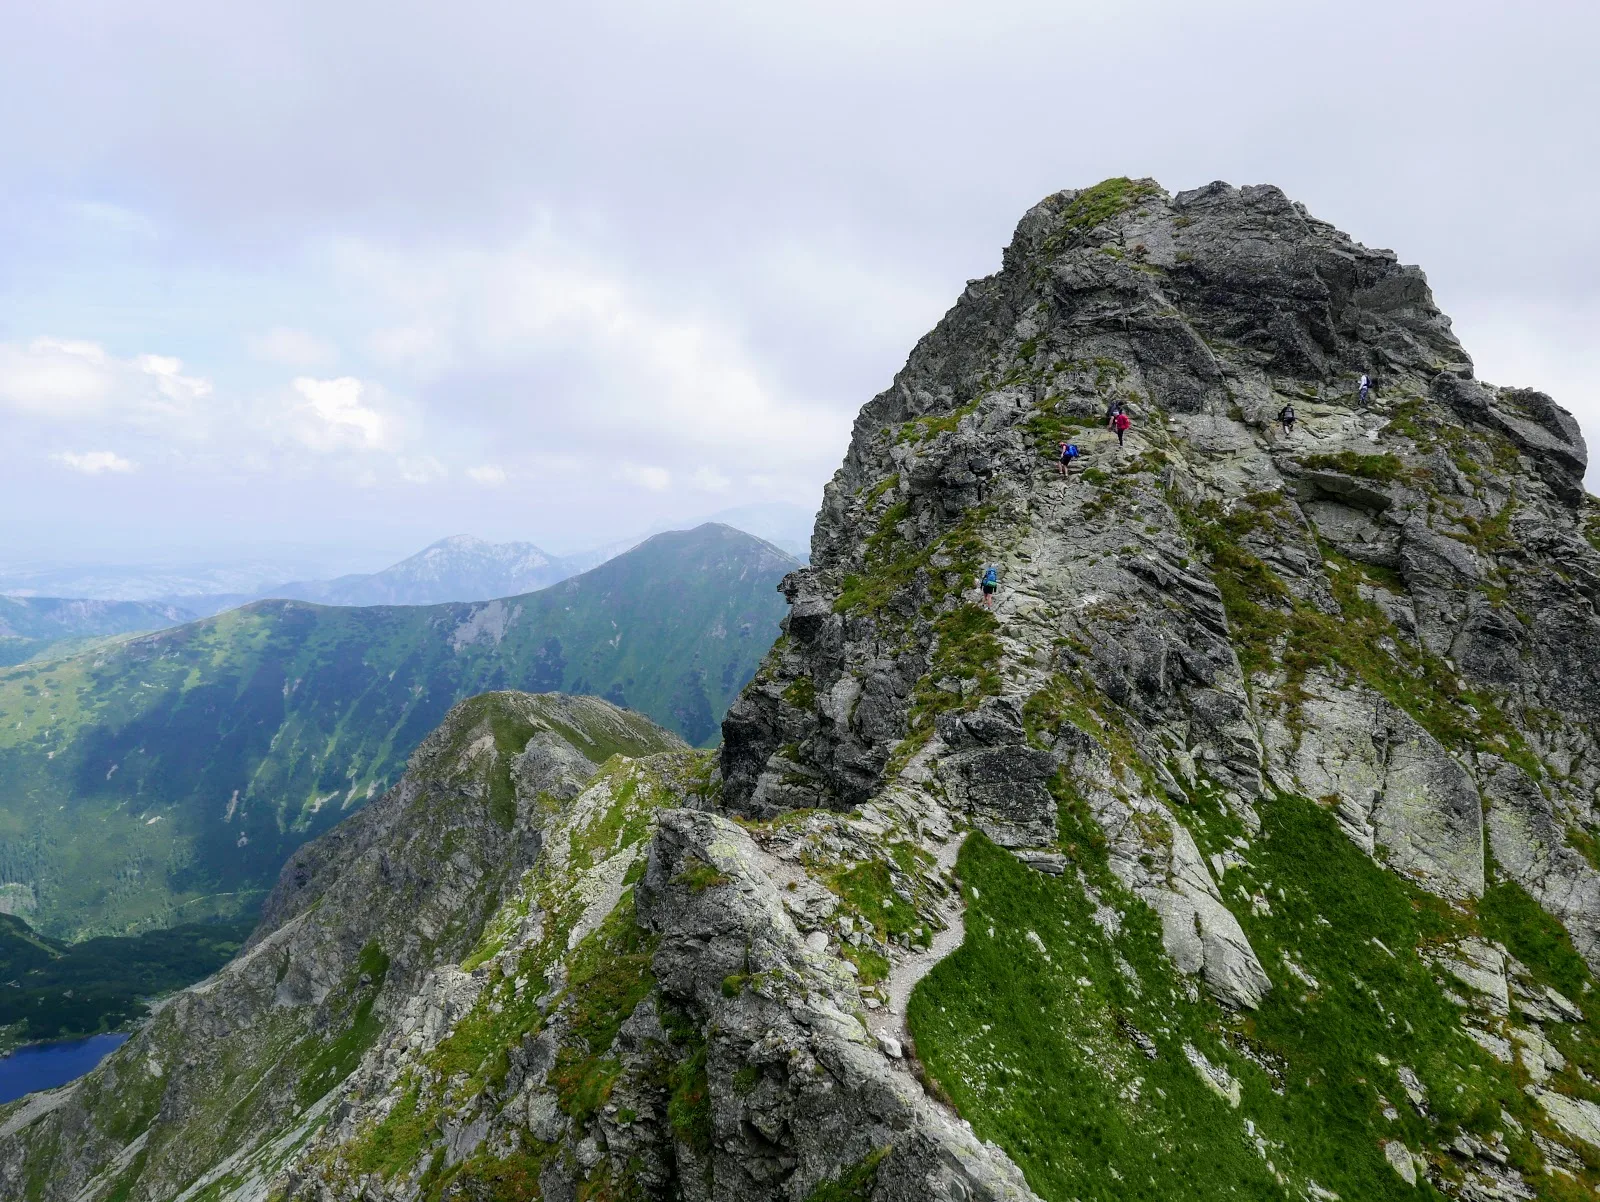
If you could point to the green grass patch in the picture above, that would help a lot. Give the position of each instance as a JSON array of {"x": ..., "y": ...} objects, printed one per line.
[
  {"x": 964, "y": 669},
  {"x": 922, "y": 429},
  {"x": 1508, "y": 915},
  {"x": 1040, "y": 1025},
  {"x": 1272, "y": 628},
  {"x": 1068, "y": 700},
  {"x": 802, "y": 694},
  {"x": 1093, "y": 207},
  {"x": 475, "y": 1054},
  {"x": 513, "y": 1178},
  {"x": 855, "y": 1183},
  {"x": 891, "y": 565},
  {"x": 869, "y": 891},
  {"x": 1036, "y": 1052},
  {"x": 700, "y": 876},
  {"x": 689, "y": 1104},
  {"x": 338, "y": 1057},
  {"x": 511, "y": 734},
  {"x": 607, "y": 977},
  {"x": 396, "y": 1143},
  {"x": 871, "y": 967},
  {"x": 882, "y": 486},
  {"x": 1385, "y": 468}
]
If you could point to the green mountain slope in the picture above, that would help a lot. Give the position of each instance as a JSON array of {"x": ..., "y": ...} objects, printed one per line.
[
  {"x": 31, "y": 627},
  {"x": 166, "y": 779}
]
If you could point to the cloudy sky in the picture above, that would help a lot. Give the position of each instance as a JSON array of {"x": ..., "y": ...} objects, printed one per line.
[{"x": 336, "y": 278}]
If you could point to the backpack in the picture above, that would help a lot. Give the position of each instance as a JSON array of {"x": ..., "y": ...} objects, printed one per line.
[
  {"x": 991, "y": 576},
  {"x": 1121, "y": 421},
  {"x": 1072, "y": 450},
  {"x": 1287, "y": 414}
]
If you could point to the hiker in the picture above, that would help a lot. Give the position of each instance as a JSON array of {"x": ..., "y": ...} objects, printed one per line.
[
  {"x": 991, "y": 583},
  {"x": 1364, "y": 387},
  {"x": 1112, "y": 410},
  {"x": 1287, "y": 417},
  {"x": 1120, "y": 424},
  {"x": 1069, "y": 456}
]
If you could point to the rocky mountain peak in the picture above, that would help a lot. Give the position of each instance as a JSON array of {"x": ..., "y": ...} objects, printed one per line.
[{"x": 1204, "y": 314}]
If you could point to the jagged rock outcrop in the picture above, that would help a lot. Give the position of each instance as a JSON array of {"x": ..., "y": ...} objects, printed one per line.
[
  {"x": 1244, "y": 849},
  {"x": 1182, "y": 581},
  {"x": 358, "y": 921}
]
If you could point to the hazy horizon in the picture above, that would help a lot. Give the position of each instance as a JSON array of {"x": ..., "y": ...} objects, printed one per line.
[{"x": 786, "y": 527}]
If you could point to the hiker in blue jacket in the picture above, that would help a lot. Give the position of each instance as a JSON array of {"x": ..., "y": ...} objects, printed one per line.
[
  {"x": 991, "y": 585},
  {"x": 1069, "y": 456}
]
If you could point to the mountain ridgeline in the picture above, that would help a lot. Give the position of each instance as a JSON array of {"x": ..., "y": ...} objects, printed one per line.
[
  {"x": 1245, "y": 849},
  {"x": 31, "y": 627},
  {"x": 165, "y": 779},
  {"x": 459, "y": 568}
]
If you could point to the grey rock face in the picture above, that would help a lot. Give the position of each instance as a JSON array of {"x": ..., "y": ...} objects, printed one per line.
[
  {"x": 826, "y": 1092},
  {"x": 1398, "y": 789},
  {"x": 1451, "y": 510}
]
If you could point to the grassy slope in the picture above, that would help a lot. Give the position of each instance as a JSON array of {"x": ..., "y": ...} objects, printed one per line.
[
  {"x": 164, "y": 780},
  {"x": 1036, "y": 1044}
]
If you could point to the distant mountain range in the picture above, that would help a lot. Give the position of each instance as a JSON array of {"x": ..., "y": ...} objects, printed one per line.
[
  {"x": 458, "y": 568},
  {"x": 166, "y": 777},
  {"x": 31, "y": 625}
]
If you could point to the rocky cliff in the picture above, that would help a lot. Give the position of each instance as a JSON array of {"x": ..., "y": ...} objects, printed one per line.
[
  {"x": 1224, "y": 636},
  {"x": 1244, "y": 849}
]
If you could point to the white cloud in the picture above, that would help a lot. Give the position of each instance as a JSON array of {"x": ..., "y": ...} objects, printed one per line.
[
  {"x": 53, "y": 378},
  {"x": 293, "y": 348},
  {"x": 656, "y": 479},
  {"x": 65, "y": 380},
  {"x": 489, "y": 475},
  {"x": 94, "y": 463},
  {"x": 177, "y": 392},
  {"x": 114, "y": 218},
  {"x": 340, "y": 415},
  {"x": 422, "y": 469},
  {"x": 710, "y": 480},
  {"x": 659, "y": 370},
  {"x": 413, "y": 345}
]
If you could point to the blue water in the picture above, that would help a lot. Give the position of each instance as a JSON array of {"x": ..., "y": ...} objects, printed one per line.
[{"x": 47, "y": 1065}]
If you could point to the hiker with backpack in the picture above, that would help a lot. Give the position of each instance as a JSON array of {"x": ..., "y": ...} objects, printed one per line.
[
  {"x": 1364, "y": 387},
  {"x": 1120, "y": 423},
  {"x": 1069, "y": 456},
  {"x": 991, "y": 585},
  {"x": 1287, "y": 416},
  {"x": 1112, "y": 411}
]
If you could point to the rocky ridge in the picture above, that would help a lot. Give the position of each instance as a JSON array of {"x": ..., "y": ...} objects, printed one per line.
[
  {"x": 1245, "y": 849},
  {"x": 1389, "y": 610}
]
